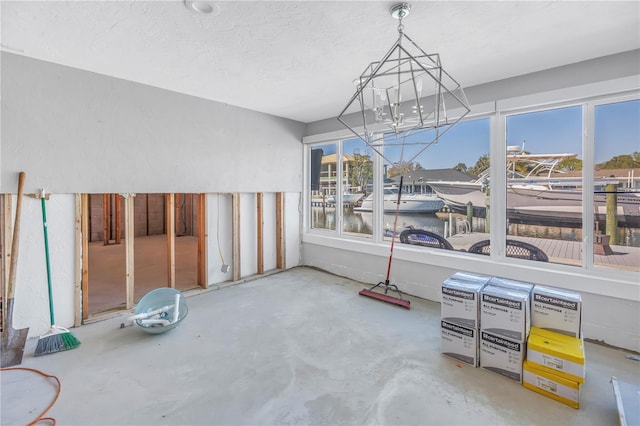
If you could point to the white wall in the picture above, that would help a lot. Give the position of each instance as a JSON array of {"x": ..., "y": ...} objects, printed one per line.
[
  {"x": 31, "y": 295},
  {"x": 292, "y": 232},
  {"x": 219, "y": 237},
  {"x": 73, "y": 131},
  {"x": 614, "y": 320},
  {"x": 269, "y": 230},
  {"x": 220, "y": 233}
]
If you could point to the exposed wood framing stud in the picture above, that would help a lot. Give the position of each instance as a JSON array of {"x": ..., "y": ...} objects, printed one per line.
[
  {"x": 202, "y": 241},
  {"x": 171, "y": 239},
  {"x": 260, "y": 232},
  {"x": 235, "y": 226},
  {"x": 77, "y": 291},
  {"x": 106, "y": 220},
  {"x": 85, "y": 256},
  {"x": 118, "y": 219},
  {"x": 178, "y": 201},
  {"x": 129, "y": 235},
  {"x": 280, "y": 241}
]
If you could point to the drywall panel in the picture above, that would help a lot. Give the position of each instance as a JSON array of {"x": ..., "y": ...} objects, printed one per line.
[
  {"x": 292, "y": 229},
  {"x": 31, "y": 293},
  {"x": 269, "y": 230},
  {"x": 219, "y": 234},
  {"x": 74, "y": 131},
  {"x": 248, "y": 235}
]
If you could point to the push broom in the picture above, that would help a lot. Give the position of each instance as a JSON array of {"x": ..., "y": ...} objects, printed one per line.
[
  {"x": 386, "y": 284},
  {"x": 56, "y": 339}
]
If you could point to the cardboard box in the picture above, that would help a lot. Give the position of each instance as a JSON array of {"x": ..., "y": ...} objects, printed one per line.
[
  {"x": 502, "y": 355},
  {"x": 511, "y": 284},
  {"x": 557, "y": 354},
  {"x": 470, "y": 277},
  {"x": 460, "y": 301},
  {"x": 556, "y": 310},
  {"x": 459, "y": 342},
  {"x": 505, "y": 312},
  {"x": 551, "y": 385}
]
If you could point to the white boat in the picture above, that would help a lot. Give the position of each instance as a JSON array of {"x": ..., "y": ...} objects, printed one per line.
[
  {"x": 348, "y": 198},
  {"x": 540, "y": 193},
  {"x": 552, "y": 202},
  {"x": 409, "y": 202}
]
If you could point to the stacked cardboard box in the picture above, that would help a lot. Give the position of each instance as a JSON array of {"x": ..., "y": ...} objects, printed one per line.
[
  {"x": 555, "y": 366},
  {"x": 459, "y": 316},
  {"x": 511, "y": 284},
  {"x": 504, "y": 327},
  {"x": 529, "y": 333},
  {"x": 557, "y": 310}
]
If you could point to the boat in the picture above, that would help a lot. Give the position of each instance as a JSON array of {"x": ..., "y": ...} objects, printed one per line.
[
  {"x": 409, "y": 202},
  {"x": 347, "y": 198},
  {"x": 542, "y": 194},
  {"x": 553, "y": 203}
]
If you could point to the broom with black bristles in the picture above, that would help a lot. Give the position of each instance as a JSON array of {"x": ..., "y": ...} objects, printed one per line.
[{"x": 56, "y": 339}]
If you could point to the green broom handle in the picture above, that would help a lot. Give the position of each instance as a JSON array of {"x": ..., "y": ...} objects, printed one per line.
[{"x": 46, "y": 252}]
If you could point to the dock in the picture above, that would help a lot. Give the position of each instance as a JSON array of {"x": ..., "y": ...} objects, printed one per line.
[{"x": 561, "y": 251}]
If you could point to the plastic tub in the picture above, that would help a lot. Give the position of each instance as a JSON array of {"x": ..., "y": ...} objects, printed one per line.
[{"x": 157, "y": 299}]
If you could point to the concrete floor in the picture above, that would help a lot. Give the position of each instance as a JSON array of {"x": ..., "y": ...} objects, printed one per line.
[{"x": 298, "y": 347}]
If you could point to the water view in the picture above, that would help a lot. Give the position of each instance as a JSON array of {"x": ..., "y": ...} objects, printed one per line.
[{"x": 362, "y": 223}]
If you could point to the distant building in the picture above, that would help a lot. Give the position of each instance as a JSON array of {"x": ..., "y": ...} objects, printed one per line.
[{"x": 329, "y": 173}]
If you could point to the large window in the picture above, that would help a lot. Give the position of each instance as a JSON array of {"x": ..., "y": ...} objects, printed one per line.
[
  {"x": 544, "y": 205},
  {"x": 544, "y": 185},
  {"x": 357, "y": 188},
  {"x": 323, "y": 187},
  {"x": 616, "y": 177},
  {"x": 444, "y": 187},
  {"x": 442, "y": 204}
]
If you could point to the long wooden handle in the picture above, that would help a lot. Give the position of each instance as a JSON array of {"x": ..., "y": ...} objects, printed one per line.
[{"x": 15, "y": 239}]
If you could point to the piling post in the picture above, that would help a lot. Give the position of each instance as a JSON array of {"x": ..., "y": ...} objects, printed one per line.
[
  {"x": 612, "y": 213},
  {"x": 470, "y": 213},
  {"x": 487, "y": 217}
]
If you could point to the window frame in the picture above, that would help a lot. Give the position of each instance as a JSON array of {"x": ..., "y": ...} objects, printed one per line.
[{"x": 620, "y": 283}]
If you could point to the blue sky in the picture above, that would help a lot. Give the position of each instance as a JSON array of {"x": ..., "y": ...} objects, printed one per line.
[
  {"x": 553, "y": 131},
  {"x": 617, "y": 130}
]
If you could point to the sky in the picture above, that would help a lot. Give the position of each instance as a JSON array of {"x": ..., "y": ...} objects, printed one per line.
[{"x": 617, "y": 131}]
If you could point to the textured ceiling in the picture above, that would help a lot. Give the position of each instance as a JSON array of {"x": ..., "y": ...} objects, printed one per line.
[{"x": 297, "y": 59}]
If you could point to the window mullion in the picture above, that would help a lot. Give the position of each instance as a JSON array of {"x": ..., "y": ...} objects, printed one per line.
[
  {"x": 588, "y": 203},
  {"x": 498, "y": 185},
  {"x": 339, "y": 191}
]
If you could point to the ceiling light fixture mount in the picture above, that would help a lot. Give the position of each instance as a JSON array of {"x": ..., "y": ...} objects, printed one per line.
[
  {"x": 202, "y": 7},
  {"x": 406, "y": 93},
  {"x": 400, "y": 10}
]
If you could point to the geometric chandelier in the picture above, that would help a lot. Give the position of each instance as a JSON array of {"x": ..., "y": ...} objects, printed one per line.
[{"x": 406, "y": 98}]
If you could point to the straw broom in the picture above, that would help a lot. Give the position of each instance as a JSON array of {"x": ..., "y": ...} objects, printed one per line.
[{"x": 56, "y": 339}]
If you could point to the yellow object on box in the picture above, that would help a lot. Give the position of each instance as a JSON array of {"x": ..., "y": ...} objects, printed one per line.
[
  {"x": 556, "y": 353},
  {"x": 551, "y": 385}
]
